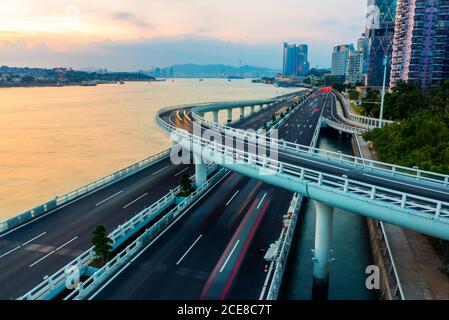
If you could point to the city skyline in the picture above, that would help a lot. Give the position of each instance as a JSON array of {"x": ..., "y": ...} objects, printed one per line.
[{"x": 82, "y": 34}]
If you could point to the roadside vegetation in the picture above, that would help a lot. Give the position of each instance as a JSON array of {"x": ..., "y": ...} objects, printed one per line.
[
  {"x": 185, "y": 185},
  {"x": 419, "y": 138},
  {"x": 102, "y": 246}
]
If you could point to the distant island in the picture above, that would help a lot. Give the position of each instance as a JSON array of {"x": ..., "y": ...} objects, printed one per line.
[
  {"x": 29, "y": 77},
  {"x": 211, "y": 71}
]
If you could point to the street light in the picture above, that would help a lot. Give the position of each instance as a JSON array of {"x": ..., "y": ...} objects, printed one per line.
[
  {"x": 382, "y": 100},
  {"x": 385, "y": 63}
]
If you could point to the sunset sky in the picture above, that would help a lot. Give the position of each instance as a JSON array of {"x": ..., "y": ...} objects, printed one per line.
[{"x": 139, "y": 34}]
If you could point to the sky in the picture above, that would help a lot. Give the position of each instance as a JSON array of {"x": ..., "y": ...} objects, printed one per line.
[{"x": 128, "y": 35}]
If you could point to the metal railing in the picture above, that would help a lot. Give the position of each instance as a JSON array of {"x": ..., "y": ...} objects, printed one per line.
[
  {"x": 98, "y": 277},
  {"x": 77, "y": 193},
  {"x": 326, "y": 155},
  {"x": 415, "y": 205},
  {"x": 396, "y": 285},
  {"x": 286, "y": 241},
  {"x": 368, "y": 122},
  {"x": 343, "y": 127},
  {"x": 118, "y": 236}
]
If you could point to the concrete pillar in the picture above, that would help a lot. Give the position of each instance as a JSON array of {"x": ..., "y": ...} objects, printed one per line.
[
  {"x": 323, "y": 237},
  {"x": 242, "y": 112},
  {"x": 200, "y": 171},
  {"x": 252, "y": 109},
  {"x": 229, "y": 115},
  {"x": 215, "y": 116}
]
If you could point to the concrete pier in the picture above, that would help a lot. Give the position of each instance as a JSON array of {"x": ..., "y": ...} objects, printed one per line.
[
  {"x": 323, "y": 237},
  {"x": 229, "y": 115},
  {"x": 215, "y": 116},
  {"x": 200, "y": 171}
]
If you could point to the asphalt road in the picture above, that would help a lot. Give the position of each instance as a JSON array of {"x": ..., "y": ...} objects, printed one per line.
[
  {"x": 214, "y": 250},
  {"x": 44, "y": 245}
]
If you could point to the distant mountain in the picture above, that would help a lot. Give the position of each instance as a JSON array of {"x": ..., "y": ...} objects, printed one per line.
[{"x": 211, "y": 71}]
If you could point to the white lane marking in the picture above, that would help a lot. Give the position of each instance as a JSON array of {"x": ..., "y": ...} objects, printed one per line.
[
  {"x": 310, "y": 126},
  {"x": 66, "y": 243},
  {"x": 22, "y": 245},
  {"x": 229, "y": 256},
  {"x": 324, "y": 164},
  {"x": 300, "y": 133},
  {"x": 58, "y": 208},
  {"x": 296, "y": 140},
  {"x": 406, "y": 184},
  {"x": 160, "y": 170},
  {"x": 286, "y": 131},
  {"x": 232, "y": 198},
  {"x": 25, "y": 243},
  {"x": 154, "y": 240},
  {"x": 298, "y": 125},
  {"x": 109, "y": 198},
  {"x": 261, "y": 200},
  {"x": 181, "y": 171},
  {"x": 188, "y": 250},
  {"x": 50, "y": 253},
  {"x": 10, "y": 251},
  {"x": 44, "y": 257},
  {"x": 135, "y": 200}
]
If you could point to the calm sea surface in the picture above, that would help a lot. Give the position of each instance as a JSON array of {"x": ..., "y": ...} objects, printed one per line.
[{"x": 53, "y": 140}]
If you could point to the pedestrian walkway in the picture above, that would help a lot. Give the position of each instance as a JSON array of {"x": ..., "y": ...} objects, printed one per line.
[{"x": 419, "y": 267}]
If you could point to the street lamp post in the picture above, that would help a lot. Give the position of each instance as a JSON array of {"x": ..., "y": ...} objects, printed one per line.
[{"x": 383, "y": 91}]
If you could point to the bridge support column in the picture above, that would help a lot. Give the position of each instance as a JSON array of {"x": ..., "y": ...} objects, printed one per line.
[
  {"x": 200, "y": 171},
  {"x": 229, "y": 115},
  {"x": 252, "y": 109},
  {"x": 242, "y": 112},
  {"x": 215, "y": 116},
  {"x": 323, "y": 237}
]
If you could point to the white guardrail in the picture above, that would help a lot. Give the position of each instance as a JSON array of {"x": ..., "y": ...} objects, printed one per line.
[
  {"x": 368, "y": 122},
  {"x": 61, "y": 279},
  {"x": 437, "y": 210},
  {"x": 75, "y": 194},
  {"x": 343, "y": 127},
  {"x": 394, "y": 280},
  {"x": 285, "y": 242},
  {"x": 85, "y": 288},
  {"x": 325, "y": 155}
]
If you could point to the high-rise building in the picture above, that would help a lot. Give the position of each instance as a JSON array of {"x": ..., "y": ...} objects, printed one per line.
[
  {"x": 354, "y": 71},
  {"x": 421, "y": 42},
  {"x": 295, "y": 60},
  {"x": 379, "y": 30},
  {"x": 362, "y": 45},
  {"x": 302, "y": 63},
  {"x": 340, "y": 59}
]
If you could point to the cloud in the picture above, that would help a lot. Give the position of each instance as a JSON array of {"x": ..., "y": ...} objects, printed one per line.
[{"x": 131, "y": 18}]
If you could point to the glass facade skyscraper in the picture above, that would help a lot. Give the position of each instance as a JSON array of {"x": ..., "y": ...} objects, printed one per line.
[
  {"x": 421, "y": 42},
  {"x": 379, "y": 32},
  {"x": 295, "y": 60}
]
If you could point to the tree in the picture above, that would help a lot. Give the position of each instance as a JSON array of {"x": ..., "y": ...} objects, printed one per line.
[
  {"x": 102, "y": 244},
  {"x": 354, "y": 95},
  {"x": 28, "y": 79},
  {"x": 404, "y": 100},
  {"x": 185, "y": 185},
  {"x": 439, "y": 98}
]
